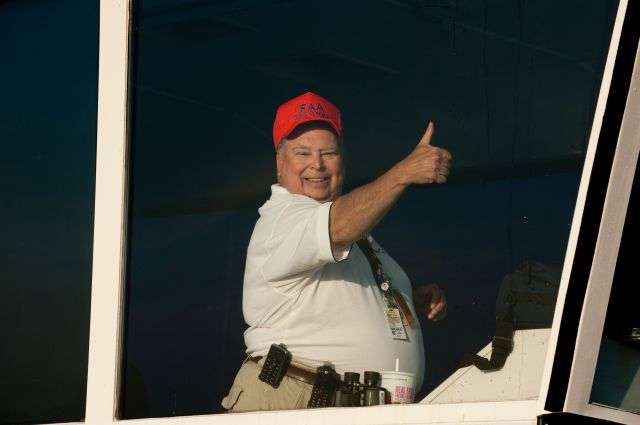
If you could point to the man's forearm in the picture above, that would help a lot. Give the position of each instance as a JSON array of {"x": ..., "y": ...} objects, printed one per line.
[{"x": 357, "y": 212}]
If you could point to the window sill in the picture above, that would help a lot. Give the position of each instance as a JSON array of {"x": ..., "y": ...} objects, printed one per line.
[{"x": 506, "y": 412}]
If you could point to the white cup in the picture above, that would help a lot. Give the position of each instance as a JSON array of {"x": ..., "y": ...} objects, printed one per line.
[{"x": 400, "y": 386}]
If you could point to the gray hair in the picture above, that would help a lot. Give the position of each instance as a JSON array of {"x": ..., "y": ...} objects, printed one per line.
[
  {"x": 314, "y": 123},
  {"x": 281, "y": 143}
]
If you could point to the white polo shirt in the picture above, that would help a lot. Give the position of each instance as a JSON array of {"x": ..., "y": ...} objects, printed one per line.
[{"x": 324, "y": 306}]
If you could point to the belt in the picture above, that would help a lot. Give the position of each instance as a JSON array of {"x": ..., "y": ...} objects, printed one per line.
[{"x": 294, "y": 372}]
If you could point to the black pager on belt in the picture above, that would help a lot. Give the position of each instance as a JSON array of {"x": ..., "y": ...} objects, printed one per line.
[
  {"x": 275, "y": 365},
  {"x": 324, "y": 387}
]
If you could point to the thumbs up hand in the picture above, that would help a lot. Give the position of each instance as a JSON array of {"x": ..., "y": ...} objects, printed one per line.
[{"x": 426, "y": 164}]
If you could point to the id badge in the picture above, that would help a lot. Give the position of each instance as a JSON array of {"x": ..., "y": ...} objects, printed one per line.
[{"x": 394, "y": 320}]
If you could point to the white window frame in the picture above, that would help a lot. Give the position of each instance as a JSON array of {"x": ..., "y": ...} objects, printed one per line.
[
  {"x": 109, "y": 264},
  {"x": 594, "y": 310}
]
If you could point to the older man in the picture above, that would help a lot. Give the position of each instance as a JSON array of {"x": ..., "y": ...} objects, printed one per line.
[{"x": 315, "y": 279}]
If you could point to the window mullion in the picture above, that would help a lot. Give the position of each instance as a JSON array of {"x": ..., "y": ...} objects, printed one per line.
[
  {"x": 110, "y": 207},
  {"x": 578, "y": 223},
  {"x": 604, "y": 264}
]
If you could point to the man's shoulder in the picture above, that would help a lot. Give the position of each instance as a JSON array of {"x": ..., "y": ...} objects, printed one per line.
[
  {"x": 284, "y": 210},
  {"x": 282, "y": 198}
]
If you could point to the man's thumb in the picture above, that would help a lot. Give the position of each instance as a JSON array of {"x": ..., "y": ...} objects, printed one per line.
[{"x": 426, "y": 139}]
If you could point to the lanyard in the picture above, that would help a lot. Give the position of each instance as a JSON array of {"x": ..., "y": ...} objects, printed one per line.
[{"x": 392, "y": 297}]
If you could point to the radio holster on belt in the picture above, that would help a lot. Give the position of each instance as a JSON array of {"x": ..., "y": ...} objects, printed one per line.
[{"x": 323, "y": 392}]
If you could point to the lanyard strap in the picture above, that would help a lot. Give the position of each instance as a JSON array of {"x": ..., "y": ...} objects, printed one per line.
[{"x": 384, "y": 281}]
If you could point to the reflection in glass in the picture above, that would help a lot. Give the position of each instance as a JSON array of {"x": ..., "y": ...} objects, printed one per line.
[
  {"x": 617, "y": 379},
  {"x": 511, "y": 87},
  {"x": 48, "y": 86}
]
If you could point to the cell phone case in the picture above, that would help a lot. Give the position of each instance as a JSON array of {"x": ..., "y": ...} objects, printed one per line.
[{"x": 275, "y": 365}]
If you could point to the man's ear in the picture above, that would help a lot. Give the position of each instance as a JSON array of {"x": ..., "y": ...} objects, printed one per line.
[{"x": 279, "y": 161}]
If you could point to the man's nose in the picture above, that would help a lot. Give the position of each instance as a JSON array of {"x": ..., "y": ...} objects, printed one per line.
[{"x": 318, "y": 161}]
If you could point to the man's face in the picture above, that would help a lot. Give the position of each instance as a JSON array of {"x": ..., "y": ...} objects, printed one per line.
[{"x": 310, "y": 163}]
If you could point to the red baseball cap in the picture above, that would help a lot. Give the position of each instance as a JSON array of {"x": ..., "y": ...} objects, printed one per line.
[{"x": 301, "y": 109}]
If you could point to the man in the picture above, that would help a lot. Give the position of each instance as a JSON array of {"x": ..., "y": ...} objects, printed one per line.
[{"x": 310, "y": 278}]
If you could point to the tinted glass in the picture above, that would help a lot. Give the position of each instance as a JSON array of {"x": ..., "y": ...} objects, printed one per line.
[
  {"x": 617, "y": 379},
  {"x": 48, "y": 90},
  {"x": 511, "y": 88}
]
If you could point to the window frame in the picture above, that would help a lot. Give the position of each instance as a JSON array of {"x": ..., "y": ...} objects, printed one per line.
[
  {"x": 107, "y": 288},
  {"x": 589, "y": 336},
  {"x": 109, "y": 258},
  {"x": 609, "y": 234}
]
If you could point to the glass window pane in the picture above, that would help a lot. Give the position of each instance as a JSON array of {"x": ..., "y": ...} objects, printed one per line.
[
  {"x": 48, "y": 86},
  {"x": 511, "y": 88},
  {"x": 617, "y": 379}
]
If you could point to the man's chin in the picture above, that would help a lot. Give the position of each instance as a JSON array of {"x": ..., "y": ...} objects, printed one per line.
[{"x": 321, "y": 197}]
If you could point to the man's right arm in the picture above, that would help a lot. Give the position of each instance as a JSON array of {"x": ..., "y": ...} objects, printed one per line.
[{"x": 357, "y": 212}]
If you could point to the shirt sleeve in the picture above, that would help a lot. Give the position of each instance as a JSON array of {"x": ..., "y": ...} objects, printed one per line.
[{"x": 300, "y": 242}]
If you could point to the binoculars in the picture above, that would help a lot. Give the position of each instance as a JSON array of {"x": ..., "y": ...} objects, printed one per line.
[{"x": 352, "y": 393}]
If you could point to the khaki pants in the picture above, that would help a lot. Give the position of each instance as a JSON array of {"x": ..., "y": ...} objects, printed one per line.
[{"x": 249, "y": 393}]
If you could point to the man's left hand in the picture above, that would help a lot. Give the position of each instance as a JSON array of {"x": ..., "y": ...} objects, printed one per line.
[{"x": 429, "y": 300}]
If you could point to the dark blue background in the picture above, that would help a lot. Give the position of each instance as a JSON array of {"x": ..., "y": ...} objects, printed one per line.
[{"x": 48, "y": 110}]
